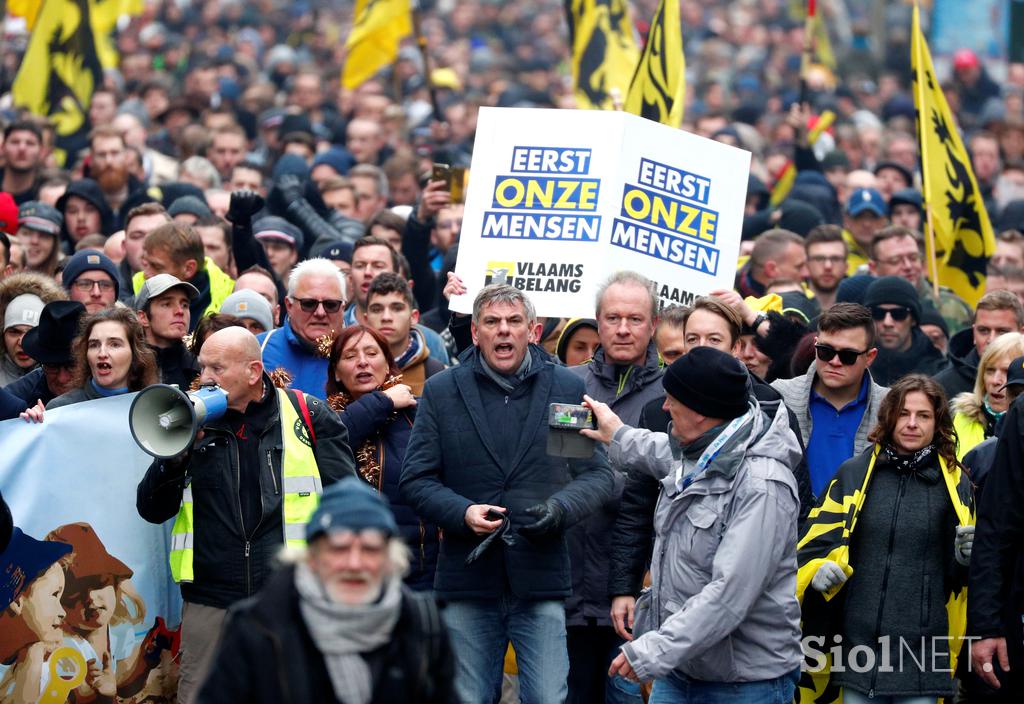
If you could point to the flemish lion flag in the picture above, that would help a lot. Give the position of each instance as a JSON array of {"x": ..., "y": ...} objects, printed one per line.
[
  {"x": 963, "y": 238},
  {"x": 658, "y": 90},
  {"x": 604, "y": 50},
  {"x": 379, "y": 28}
]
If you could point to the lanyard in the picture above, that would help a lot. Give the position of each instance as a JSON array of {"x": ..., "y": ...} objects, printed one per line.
[{"x": 711, "y": 452}]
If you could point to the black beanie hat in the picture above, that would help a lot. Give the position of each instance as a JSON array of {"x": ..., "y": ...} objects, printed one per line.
[
  {"x": 894, "y": 290},
  {"x": 708, "y": 382}
]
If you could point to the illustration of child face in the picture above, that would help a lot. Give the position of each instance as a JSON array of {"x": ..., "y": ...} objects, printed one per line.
[
  {"x": 40, "y": 605},
  {"x": 92, "y": 606}
]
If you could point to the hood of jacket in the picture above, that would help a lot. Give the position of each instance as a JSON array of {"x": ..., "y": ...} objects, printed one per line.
[{"x": 963, "y": 355}]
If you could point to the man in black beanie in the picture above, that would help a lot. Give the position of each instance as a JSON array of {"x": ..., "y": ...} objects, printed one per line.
[
  {"x": 902, "y": 347},
  {"x": 725, "y": 555}
]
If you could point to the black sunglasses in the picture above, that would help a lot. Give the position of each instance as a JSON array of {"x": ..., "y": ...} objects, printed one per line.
[
  {"x": 308, "y": 305},
  {"x": 846, "y": 357},
  {"x": 898, "y": 314}
]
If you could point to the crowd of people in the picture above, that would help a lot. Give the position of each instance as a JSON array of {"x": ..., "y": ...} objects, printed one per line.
[{"x": 777, "y": 498}]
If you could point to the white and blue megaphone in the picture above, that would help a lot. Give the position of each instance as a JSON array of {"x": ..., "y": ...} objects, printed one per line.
[{"x": 165, "y": 420}]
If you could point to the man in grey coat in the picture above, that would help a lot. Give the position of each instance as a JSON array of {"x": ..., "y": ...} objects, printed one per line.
[{"x": 721, "y": 621}]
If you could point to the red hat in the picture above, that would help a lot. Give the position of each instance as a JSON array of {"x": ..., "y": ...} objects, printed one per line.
[
  {"x": 8, "y": 213},
  {"x": 965, "y": 58},
  {"x": 91, "y": 559}
]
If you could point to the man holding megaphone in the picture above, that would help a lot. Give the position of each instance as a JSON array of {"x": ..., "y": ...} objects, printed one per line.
[{"x": 244, "y": 488}]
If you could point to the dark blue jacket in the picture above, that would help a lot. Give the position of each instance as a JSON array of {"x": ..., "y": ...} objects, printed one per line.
[
  {"x": 31, "y": 388},
  {"x": 372, "y": 416},
  {"x": 453, "y": 461}
]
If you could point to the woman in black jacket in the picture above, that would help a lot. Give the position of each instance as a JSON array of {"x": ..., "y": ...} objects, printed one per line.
[{"x": 365, "y": 388}]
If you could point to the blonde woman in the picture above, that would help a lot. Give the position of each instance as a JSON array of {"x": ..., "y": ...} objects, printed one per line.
[{"x": 977, "y": 413}]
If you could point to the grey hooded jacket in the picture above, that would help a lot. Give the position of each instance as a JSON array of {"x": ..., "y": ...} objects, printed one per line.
[{"x": 723, "y": 604}]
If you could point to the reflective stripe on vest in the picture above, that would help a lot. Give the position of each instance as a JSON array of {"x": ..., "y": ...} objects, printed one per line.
[{"x": 301, "y": 493}]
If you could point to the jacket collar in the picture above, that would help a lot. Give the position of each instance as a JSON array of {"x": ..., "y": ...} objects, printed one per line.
[{"x": 637, "y": 377}]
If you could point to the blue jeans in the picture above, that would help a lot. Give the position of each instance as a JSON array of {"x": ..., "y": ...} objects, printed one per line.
[
  {"x": 680, "y": 689},
  {"x": 480, "y": 632}
]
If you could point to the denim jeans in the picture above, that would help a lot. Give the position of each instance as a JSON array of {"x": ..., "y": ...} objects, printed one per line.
[
  {"x": 591, "y": 651},
  {"x": 680, "y": 689},
  {"x": 480, "y": 632}
]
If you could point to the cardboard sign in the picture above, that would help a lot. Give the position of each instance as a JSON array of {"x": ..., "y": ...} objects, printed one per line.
[{"x": 561, "y": 199}]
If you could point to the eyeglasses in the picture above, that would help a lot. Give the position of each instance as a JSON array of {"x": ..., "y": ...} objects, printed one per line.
[
  {"x": 913, "y": 258},
  {"x": 309, "y": 305},
  {"x": 85, "y": 285},
  {"x": 899, "y": 314},
  {"x": 823, "y": 259},
  {"x": 826, "y": 353}
]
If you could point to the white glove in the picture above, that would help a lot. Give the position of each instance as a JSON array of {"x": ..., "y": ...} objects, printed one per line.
[
  {"x": 963, "y": 543},
  {"x": 829, "y": 575}
]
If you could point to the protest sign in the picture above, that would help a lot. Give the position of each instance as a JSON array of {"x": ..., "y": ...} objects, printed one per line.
[
  {"x": 109, "y": 598},
  {"x": 561, "y": 199}
]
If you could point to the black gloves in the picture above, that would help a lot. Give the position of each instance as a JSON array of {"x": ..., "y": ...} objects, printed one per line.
[
  {"x": 550, "y": 517},
  {"x": 243, "y": 205},
  {"x": 291, "y": 188}
]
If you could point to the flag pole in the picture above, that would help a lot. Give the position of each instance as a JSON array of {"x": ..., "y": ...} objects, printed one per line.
[
  {"x": 933, "y": 263},
  {"x": 421, "y": 42},
  {"x": 808, "y": 53}
]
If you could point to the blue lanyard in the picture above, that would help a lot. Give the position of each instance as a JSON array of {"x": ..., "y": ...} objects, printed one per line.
[{"x": 712, "y": 451}]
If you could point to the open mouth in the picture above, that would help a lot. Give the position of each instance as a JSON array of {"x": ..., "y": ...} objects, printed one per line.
[
  {"x": 103, "y": 368},
  {"x": 503, "y": 349}
]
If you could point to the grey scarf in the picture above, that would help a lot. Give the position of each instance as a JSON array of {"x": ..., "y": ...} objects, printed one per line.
[
  {"x": 342, "y": 632},
  {"x": 508, "y": 381}
]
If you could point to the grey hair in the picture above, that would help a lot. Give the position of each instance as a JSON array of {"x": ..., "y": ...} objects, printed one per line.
[
  {"x": 201, "y": 167},
  {"x": 317, "y": 266},
  {"x": 502, "y": 293},
  {"x": 628, "y": 278},
  {"x": 398, "y": 556},
  {"x": 374, "y": 172}
]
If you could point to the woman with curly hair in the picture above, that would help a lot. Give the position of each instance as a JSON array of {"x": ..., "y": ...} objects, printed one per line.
[
  {"x": 883, "y": 559},
  {"x": 365, "y": 388},
  {"x": 111, "y": 358}
]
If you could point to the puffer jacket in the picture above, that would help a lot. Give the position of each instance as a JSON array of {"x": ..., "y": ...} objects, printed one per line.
[
  {"x": 590, "y": 541},
  {"x": 722, "y": 606}
]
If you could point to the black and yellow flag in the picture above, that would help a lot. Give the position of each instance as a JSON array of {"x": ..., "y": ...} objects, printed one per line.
[
  {"x": 67, "y": 52},
  {"x": 658, "y": 89},
  {"x": 962, "y": 237},
  {"x": 604, "y": 50},
  {"x": 377, "y": 32}
]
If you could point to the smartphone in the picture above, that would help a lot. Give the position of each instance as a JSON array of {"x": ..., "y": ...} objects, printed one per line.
[
  {"x": 570, "y": 416},
  {"x": 442, "y": 172}
]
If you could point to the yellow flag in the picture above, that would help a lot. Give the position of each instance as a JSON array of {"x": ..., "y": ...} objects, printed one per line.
[
  {"x": 29, "y": 9},
  {"x": 962, "y": 238},
  {"x": 604, "y": 51},
  {"x": 658, "y": 90},
  {"x": 378, "y": 29}
]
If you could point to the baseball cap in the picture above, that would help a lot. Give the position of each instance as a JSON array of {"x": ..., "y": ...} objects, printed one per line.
[
  {"x": 866, "y": 199},
  {"x": 159, "y": 285},
  {"x": 1014, "y": 373},
  {"x": 275, "y": 228},
  {"x": 40, "y": 217}
]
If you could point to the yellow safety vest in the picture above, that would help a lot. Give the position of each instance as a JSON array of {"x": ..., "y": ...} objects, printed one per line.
[
  {"x": 221, "y": 286},
  {"x": 969, "y": 433},
  {"x": 301, "y": 493}
]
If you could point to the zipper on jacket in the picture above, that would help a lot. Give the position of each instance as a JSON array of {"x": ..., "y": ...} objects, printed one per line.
[
  {"x": 423, "y": 548},
  {"x": 885, "y": 575},
  {"x": 248, "y": 571},
  {"x": 506, "y": 400},
  {"x": 273, "y": 476}
]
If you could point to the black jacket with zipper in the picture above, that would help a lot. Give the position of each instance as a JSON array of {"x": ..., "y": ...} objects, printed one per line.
[
  {"x": 267, "y": 654},
  {"x": 232, "y": 558}
]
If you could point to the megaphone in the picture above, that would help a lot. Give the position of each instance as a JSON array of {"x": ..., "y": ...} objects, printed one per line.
[{"x": 165, "y": 420}]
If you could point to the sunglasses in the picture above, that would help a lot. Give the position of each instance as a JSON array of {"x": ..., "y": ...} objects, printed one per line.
[
  {"x": 898, "y": 314},
  {"x": 846, "y": 357},
  {"x": 308, "y": 305}
]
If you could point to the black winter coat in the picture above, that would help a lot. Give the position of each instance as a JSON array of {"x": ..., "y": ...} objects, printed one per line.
[
  {"x": 372, "y": 416},
  {"x": 231, "y": 561},
  {"x": 921, "y": 358},
  {"x": 266, "y": 654},
  {"x": 455, "y": 460},
  {"x": 963, "y": 365}
]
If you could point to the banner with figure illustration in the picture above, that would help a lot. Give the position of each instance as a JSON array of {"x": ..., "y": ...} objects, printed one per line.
[
  {"x": 87, "y": 607},
  {"x": 561, "y": 199}
]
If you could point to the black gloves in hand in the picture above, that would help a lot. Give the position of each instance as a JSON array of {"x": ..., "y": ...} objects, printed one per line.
[
  {"x": 243, "y": 205},
  {"x": 550, "y": 517},
  {"x": 291, "y": 187}
]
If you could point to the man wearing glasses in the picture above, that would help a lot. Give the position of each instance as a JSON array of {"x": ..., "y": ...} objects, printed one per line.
[
  {"x": 90, "y": 278},
  {"x": 903, "y": 347},
  {"x": 836, "y": 402},
  {"x": 826, "y": 263},
  {"x": 316, "y": 311},
  {"x": 49, "y": 343},
  {"x": 898, "y": 251}
]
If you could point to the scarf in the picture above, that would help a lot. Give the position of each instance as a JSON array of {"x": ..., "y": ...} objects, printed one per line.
[
  {"x": 342, "y": 632},
  {"x": 368, "y": 454},
  {"x": 508, "y": 382},
  {"x": 705, "y": 450},
  {"x": 908, "y": 463},
  {"x": 411, "y": 351},
  {"x": 107, "y": 392}
]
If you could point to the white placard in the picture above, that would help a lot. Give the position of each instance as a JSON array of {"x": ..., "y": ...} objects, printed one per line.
[{"x": 559, "y": 200}]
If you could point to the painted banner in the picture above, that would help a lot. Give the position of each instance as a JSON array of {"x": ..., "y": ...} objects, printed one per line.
[
  {"x": 88, "y": 606},
  {"x": 561, "y": 199}
]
